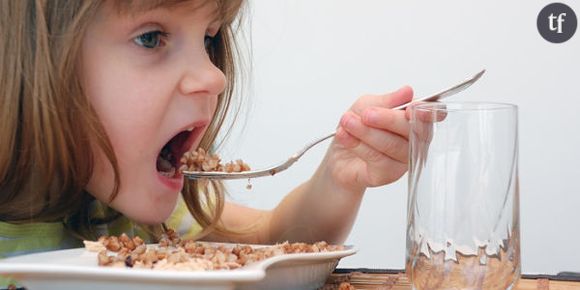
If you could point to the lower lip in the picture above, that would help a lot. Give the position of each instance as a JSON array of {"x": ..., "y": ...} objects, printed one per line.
[{"x": 174, "y": 183}]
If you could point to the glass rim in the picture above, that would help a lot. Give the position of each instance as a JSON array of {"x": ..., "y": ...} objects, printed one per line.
[{"x": 463, "y": 106}]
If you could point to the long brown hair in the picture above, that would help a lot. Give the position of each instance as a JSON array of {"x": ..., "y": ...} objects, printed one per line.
[{"x": 48, "y": 127}]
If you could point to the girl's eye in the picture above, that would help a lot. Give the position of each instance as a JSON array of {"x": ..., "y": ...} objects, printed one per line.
[{"x": 151, "y": 39}]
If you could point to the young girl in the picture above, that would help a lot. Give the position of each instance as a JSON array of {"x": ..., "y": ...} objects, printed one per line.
[{"x": 99, "y": 99}]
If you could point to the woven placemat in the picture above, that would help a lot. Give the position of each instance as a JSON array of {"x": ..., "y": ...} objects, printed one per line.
[{"x": 363, "y": 278}]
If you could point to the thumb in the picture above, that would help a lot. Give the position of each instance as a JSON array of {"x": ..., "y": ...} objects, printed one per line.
[{"x": 398, "y": 97}]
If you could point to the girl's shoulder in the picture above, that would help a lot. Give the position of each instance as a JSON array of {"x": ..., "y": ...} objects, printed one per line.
[{"x": 20, "y": 239}]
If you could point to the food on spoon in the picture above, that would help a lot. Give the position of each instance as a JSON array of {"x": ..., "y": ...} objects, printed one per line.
[
  {"x": 199, "y": 160},
  {"x": 173, "y": 253}
]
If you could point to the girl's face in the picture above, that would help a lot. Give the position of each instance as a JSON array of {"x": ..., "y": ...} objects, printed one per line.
[{"x": 153, "y": 86}]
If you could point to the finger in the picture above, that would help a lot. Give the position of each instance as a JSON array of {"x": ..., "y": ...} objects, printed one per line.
[
  {"x": 390, "y": 100},
  {"x": 384, "y": 142},
  {"x": 376, "y": 164},
  {"x": 391, "y": 120},
  {"x": 345, "y": 139}
]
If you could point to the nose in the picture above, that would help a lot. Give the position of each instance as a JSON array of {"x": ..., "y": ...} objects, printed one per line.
[{"x": 202, "y": 77}]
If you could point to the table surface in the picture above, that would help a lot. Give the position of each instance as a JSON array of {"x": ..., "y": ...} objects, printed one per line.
[{"x": 396, "y": 280}]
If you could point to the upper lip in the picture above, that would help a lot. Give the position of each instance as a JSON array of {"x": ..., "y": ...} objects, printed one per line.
[
  {"x": 196, "y": 129},
  {"x": 190, "y": 126}
]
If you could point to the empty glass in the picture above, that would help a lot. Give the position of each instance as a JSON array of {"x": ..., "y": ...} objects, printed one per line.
[{"x": 463, "y": 206}]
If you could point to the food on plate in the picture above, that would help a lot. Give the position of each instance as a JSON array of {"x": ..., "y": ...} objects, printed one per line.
[
  {"x": 173, "y": 253},
  {"x": 199, "y": 160}
]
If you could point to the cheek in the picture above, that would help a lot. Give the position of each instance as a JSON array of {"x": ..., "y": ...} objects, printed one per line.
[
  {"x": 121, "y": 116},
  {"x": 101, "y": 183}
]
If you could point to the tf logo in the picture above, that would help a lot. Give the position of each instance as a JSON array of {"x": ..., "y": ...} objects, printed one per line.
[{"x": 557, "y": 22}]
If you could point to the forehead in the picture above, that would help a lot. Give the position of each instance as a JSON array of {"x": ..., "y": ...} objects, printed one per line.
[{"x": 224, "y": 10}]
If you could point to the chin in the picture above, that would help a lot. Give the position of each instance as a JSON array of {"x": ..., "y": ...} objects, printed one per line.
[
  {"x": 153, "y": 218},
  {"x": 149, "y": 208}
]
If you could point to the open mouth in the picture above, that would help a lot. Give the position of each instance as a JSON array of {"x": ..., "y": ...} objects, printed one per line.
[{"x": 168, "y": 159}]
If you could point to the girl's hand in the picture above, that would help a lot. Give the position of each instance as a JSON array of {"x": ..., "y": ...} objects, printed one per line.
[
  {"x": 370, "y": 149},
  {"x": 371, "y": 145}
]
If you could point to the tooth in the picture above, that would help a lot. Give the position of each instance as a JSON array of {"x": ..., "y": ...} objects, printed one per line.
[
  {"x": 190, "y": 129},
  {"x": 163, "y": 164},
  {"x": 169, "y": 174}
]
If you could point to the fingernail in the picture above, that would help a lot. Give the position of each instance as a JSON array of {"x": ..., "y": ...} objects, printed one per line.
[{"x": 406, "y": 87}]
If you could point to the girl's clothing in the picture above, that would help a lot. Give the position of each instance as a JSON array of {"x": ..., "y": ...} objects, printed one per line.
[{"x": 20, "y": 239}]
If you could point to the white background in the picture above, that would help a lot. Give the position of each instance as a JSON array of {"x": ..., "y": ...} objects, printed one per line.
[{"x": 310, "y": 60}]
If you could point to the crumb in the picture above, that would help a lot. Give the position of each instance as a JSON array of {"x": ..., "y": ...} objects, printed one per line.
[{"x": 94, "y": 246}]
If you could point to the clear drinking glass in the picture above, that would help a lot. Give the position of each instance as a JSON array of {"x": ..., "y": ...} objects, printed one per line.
[{"x": 463, "y": 228}]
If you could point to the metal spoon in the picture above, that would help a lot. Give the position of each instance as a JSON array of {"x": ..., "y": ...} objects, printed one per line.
[{"x": 284, "y": 165}]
